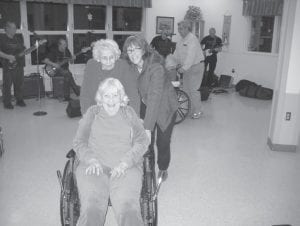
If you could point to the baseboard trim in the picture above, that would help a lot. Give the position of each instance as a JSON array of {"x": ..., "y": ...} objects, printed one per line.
[{"x": 281, "y": 147}]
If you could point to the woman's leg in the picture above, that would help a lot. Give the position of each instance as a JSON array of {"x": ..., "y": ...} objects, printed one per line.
[
  {"x": 163, "y": 141},
  {"x": 93, "y": 193},
  {"x": 125, "y": 197}
]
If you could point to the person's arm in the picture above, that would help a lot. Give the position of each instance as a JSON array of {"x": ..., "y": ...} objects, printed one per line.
[
  {"x": 140, "y": 141},
  {"x": 80, "y": 142},
  {"x": 86, "y": 96},
  {"x": 8, "y": 57},
  {"x": 49, "y": 60},
  {"x": 154, "y": 95}
]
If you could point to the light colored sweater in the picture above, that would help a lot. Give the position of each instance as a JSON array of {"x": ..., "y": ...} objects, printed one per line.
[{"x": 111, "y": 139}]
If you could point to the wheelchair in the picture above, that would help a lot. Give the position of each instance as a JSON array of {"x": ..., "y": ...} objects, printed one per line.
[
  {"x": 184, "y": 103},
  {"x": 69, "y": 198}
]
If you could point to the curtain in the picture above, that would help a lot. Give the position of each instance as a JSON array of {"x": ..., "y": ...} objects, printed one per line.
[
  {"x": 124, "y": 3},
  {"x": 262, "y": 7}
]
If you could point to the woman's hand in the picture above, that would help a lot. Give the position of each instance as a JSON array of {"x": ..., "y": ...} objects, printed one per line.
[
  {"x": 119, "y": 170},
  {"x": 94, "y": 167}
]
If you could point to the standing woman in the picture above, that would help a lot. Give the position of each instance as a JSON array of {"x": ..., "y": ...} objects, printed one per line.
[
  {"x": 158, "y": 97},
  {"x": 104, "y": 64}
]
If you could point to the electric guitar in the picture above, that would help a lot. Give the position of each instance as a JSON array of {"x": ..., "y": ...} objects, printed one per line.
[
  {"x": 51, "y": 70},
  {"x": 13, "y": 64},
  {"x": 209, "y": 52}
]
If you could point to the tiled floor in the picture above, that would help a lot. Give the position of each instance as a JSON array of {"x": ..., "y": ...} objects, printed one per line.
[{"x": 222, "y": 173}]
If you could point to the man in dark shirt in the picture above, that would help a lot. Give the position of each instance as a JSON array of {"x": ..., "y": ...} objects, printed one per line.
[
  {"x": 59, "y": 58},
  {"x": 162, "y": 44},
  {"x": 211, "y": 45},
  {"x": 13, "y": 66}
]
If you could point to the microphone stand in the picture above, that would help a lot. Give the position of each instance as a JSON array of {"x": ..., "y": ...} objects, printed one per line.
[{"x": 38, "y": 113}]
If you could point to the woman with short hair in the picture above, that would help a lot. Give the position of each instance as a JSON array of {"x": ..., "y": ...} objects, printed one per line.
[
  {"x": 110, "y": 143},
  {"x": 106, "y": 63},
  {"x": 159, "y": 99}
]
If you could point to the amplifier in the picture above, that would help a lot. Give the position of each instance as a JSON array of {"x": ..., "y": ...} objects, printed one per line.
[
  {"x": 225, "y": 81},
  {"x": 31, "y": 86}
]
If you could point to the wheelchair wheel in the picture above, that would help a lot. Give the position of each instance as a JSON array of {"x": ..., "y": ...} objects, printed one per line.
[
  {"x": 184, "y": 106},
  {"x": 148, "y": 205},
  {"x": 69, "y": 199}
]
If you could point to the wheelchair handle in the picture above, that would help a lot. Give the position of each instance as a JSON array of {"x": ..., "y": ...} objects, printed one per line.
[{"x": 60, "y": 179}]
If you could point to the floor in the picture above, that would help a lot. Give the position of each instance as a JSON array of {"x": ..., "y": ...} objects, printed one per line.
[{"x": 222, "y": 173}]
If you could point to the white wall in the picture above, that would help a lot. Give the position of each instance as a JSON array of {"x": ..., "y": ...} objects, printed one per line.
[{"x": 258, "y": 67}]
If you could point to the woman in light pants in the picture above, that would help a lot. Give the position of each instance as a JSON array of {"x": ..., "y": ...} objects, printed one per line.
[
  {"x": 110, "y": 143},
  {"x": 191, "y": 82}
]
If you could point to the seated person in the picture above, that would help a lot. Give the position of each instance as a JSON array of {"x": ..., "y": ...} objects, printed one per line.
[
  {"x": 110, "y": 143},
  {"x": 59, "y": 58}
]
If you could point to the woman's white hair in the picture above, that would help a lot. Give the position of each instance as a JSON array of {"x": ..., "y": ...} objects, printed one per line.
[
  {"x": 110, "y": 83},
  {"x": 105, "y": 44}
]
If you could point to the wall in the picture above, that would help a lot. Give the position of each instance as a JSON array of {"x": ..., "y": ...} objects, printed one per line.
[
  {"x": 258, "y": 67},
  {"x": 285, "y": 133}
]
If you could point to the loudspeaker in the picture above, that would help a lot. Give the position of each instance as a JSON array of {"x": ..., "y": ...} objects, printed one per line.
[
  {"x": 73, "y": 108},
  {"x": 31, "y": 86},
  {"x": 58, "y": 87},
  {"x": 225, "y": 81}
]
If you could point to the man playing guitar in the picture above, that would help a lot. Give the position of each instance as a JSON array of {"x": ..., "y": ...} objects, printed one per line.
[
  {"x": 54, "y": 57},
  {"x": 211, "y": 45},
  {"x": 10, "y": 47}
]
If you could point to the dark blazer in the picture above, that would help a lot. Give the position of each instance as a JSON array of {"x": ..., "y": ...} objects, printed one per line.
[{"x": 157, "y": 93}]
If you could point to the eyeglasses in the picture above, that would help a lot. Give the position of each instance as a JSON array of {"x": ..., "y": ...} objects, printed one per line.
[{"x": 130, "y": 51}]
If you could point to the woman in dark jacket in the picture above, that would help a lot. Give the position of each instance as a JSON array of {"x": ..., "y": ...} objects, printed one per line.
[{"x": 158, "y": 97}]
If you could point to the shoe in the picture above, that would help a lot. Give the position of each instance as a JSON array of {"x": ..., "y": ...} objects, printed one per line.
[
  {"x": 197, "y": 115},
  {"x": 163, "y": 174},
  {"x": 8, "y": 106},
  {"x": 21, "y": 103}
]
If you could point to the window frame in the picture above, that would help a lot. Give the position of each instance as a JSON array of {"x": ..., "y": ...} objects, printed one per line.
[{"x": 275, "y": 37}]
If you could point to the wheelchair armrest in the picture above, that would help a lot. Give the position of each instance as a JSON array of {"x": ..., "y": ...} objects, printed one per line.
[{"x": 71, "y": 154}]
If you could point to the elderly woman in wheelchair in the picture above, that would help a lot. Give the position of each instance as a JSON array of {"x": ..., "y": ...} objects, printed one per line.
[{"x": 110, "y": 143}]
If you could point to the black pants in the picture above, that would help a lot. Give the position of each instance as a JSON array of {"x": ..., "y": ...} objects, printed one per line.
[
  {"x": 13, "y": 77},
  {"x": 69, "y": 82},
  {"x": 211, "y": 62},
  {"x": 163, "y": 140}
]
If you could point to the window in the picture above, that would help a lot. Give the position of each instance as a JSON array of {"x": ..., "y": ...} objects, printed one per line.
[
  {"x": 127, "y": 19},
  {"x": 47, "y": 16},
  {"x": 89, "y": 17},
  {"x": 9, "y": 11},
  {"x": 79, "y": 24},
  {"x": 264, "y": 34},
  {"x": 84, "y": 40},
  {"x": 43, "y": 49}
]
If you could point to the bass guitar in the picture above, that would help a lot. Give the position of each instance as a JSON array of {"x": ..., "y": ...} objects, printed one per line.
[
  {"x": 51, "y": 70},
  {"x": 13, "y": 64},
  {"x": 209, "y": 52}
]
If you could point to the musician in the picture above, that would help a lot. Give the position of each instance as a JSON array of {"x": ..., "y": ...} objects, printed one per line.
[
  {"x": 54, "y": 58},
  {"x": 162, "y": 43},
  {"x": 13, "y": 67},
  {"x": 211, "y": 45}
]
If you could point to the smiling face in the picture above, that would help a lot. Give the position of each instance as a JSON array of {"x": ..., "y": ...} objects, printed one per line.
[
  {"x": 111, "y": 101},
  {"x": 183, "y": 30},
  {"x": 107, "y": 59},
  {"x": 135, "y": 54}
]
